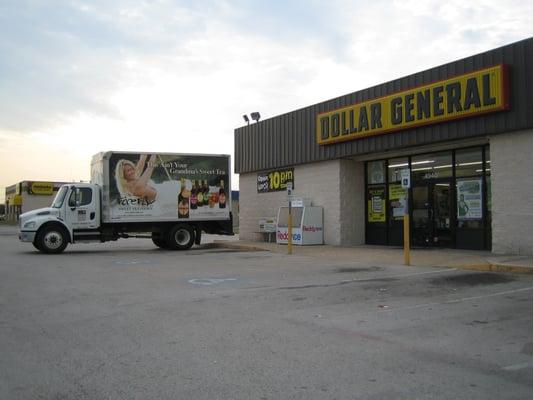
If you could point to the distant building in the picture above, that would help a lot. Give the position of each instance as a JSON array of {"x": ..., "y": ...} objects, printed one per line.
[{"x": 29, "y": 195}]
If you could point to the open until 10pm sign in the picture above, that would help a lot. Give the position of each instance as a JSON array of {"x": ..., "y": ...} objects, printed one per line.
[{"x": 275, "y": 181}]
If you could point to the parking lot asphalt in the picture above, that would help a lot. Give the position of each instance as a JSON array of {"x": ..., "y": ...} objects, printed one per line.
[{"x": 128, "y": 321}]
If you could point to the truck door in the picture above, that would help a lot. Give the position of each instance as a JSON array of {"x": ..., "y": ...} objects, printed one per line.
[{"x": 81, "y": 208}]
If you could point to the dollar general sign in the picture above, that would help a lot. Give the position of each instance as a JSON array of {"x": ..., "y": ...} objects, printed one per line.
[{"x": 467, "y": 95}]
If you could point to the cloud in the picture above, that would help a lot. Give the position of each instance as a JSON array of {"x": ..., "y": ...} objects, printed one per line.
[
  {"x": 80, "y": 77},
  {"x": 66, "y": 58}
]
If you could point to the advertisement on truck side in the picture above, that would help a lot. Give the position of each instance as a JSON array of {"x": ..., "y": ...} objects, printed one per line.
[{"x": 168, "y": 186}]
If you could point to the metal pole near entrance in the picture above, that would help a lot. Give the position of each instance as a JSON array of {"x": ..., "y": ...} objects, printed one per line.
[
  {"x": 406, "y": 184},
  {"x": 406, "y": 233}
]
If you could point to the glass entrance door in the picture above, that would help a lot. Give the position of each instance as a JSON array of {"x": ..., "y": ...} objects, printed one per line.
[{"x": 431, "y": 214}]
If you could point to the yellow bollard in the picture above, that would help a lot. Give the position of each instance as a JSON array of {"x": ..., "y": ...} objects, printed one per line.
[
  {"x": 406, "y": 240},
  {"x": 289, "y": 228}
]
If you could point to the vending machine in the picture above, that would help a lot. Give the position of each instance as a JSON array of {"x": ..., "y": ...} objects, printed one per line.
[{"x": 307, "y": 224}]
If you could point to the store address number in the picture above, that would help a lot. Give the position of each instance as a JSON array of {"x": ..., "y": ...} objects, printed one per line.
[{"x": 274, "y": 181}]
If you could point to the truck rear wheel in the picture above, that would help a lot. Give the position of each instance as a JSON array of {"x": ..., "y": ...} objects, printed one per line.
[
  {"x": 159, "y": 240},
  {"x": 180, "y": 237},
  {"x": 51, "y": 239}
]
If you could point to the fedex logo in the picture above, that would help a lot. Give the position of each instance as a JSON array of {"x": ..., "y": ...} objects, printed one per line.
[{"x": 285, "y": 236}]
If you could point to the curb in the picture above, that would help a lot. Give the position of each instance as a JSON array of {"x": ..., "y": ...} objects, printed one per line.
[
  {"x": 486, "y": 267},
  {"x": 236, "y": 246}
]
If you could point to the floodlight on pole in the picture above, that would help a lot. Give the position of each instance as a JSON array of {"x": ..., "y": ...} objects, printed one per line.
[
  {"x": 255, "y": 116},
  {"x": 246, "y": 119}
]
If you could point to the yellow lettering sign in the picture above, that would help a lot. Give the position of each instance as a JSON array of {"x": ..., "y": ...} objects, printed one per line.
[
  {"x": 17, "y": 200},
  {"x": 42, "y": 188},
  {"x": 464, "y": 96}
]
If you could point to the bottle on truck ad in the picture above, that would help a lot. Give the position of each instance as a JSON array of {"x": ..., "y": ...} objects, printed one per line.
[{"x": 168, "y": 197}]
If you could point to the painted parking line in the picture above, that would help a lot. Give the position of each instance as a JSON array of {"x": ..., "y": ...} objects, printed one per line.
[
  {"x": 517, "y": 367},
  {"x": 462, "y": 299},
  {"x": 131, "y": 262},
  {"x": 210, "y": 281}
]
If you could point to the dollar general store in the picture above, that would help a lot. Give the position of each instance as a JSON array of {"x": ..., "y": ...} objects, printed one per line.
[{"x": 464, "y": 130}]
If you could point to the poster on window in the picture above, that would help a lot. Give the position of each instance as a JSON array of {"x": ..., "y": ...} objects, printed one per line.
[
  {"x": 376, "y": 205},
  {"x": 469, "y": 199},
  {"x": 397, "y": 198}
]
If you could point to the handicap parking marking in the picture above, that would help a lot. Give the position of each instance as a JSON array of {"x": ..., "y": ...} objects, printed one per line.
[{"x": 210, "y": 281}]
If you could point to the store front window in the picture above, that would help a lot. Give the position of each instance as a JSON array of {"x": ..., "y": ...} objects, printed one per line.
[
  {"x": 376, "y": 195},
  {"x": 449, "y": 199},
  {"x": 469, "y": 162},
  {"x": 376, "y": 172},
  {"x": 397, "y": 197},
  {"x": 431, "y": 166}
]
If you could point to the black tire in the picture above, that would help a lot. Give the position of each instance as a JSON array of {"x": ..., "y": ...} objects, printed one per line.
[
  {"x": 52, "y": 239},
  {"x": 159, "y": 240},
  {"x": 36, "y": 245},
  {"x": 180, "y": 237}
]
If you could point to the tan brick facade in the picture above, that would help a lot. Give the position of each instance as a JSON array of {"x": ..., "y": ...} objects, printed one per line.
[
  {"x": 512, "y": 193},
  {"x": 336, "y": 186}
]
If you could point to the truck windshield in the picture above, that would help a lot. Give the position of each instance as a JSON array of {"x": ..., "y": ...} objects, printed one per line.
[{"x": 60, "y": 197}]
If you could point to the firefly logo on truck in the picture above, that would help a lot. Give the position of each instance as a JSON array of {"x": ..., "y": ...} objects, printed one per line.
[{"x": 467, "y": 95}]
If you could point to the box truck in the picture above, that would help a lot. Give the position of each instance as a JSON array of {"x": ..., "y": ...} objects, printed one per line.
[{"x": 171, "y": 198}]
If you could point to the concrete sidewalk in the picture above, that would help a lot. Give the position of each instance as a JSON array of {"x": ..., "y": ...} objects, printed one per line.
[{"x": 385, "y": 255}]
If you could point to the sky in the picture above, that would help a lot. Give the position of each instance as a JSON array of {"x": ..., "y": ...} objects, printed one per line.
[{"x": 80, "y": 77}]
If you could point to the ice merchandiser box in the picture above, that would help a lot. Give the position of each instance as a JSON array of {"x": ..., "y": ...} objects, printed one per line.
[{"x": 307, "y": 225}]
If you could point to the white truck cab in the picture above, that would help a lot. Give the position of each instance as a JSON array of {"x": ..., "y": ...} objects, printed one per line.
[{"x": 76, "y": 208}]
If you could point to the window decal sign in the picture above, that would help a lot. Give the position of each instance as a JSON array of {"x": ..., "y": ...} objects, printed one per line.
[
  {"x": 376, "y": 205},
  {"x": 469, "y": 199},
  {"x": 275, "y": 181}
]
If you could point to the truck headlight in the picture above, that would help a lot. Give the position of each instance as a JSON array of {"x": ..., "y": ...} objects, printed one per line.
[{"x": 29, "y": 225}]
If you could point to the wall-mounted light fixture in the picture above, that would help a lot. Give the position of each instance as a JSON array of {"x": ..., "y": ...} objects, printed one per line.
[{"x": 255, "y": 116}]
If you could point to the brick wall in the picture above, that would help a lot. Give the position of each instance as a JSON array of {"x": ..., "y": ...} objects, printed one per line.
[
  {"x": 337, "y": 186},
  {"x": 512, "y": 192},
  {"x": 318, "y": 181},
  {"x": 352, "y": 182}
]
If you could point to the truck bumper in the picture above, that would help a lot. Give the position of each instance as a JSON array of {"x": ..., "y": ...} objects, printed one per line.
[{"x": 26, "y": 236}]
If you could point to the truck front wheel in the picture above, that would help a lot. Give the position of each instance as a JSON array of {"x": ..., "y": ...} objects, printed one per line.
[
  {"x": 180, "y": 237},
  {"x": 52, "y": 239}
]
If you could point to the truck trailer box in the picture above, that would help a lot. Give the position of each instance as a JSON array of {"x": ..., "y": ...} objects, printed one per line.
[{"x": 139, "y": 187}]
